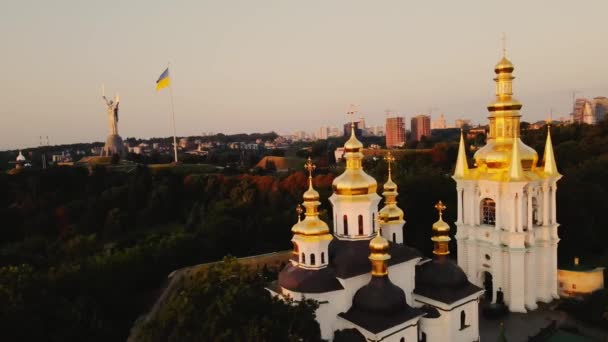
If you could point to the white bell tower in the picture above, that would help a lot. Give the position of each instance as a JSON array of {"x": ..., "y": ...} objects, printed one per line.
[{"x": 507, "y": 230}]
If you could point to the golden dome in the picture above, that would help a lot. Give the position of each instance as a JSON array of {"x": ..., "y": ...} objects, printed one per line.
[
  {"x": 311, "y": 225},
  {"x": 311, "y": 194},
  {"x": 496, "y": 155},
  {"x": 504, "y": 65},
  {"x": 441, "y": 229},
  {"x": 379, "y": 247},
  {"x": 354, "y": 181},
  {"x": 390, "y": 212},
  {"x": 389, "y": 186},
  {"x": 353, "y": 144}
]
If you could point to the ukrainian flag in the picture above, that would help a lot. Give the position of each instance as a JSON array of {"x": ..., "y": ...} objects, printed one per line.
[{"x": 164, "y": 80}]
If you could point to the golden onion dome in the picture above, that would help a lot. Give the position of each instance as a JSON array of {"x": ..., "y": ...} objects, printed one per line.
[
  {"x": 311, "y": 194},
  {"x": 496, "y": 155},
  {"x": 354, "y": 181},
  {"x": 441, "y": 225},
  {"x": 311, "y": 225},
  {"x": 379, "y": 247},
  {"x": 353, "y": 144},
  {"x": 391, "y": 213},
  {"x": 389, "y": 186},
  {"x": 504, "y": 65}
]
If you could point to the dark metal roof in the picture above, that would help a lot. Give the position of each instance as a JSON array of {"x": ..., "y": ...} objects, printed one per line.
[
  {"x": 444, "y": 281},
  {"x": 309, "y": 281},
  {"x": 350, "y": 258},
  {"x": 348, "y": 335},
  {"x": 380, "y": 305}
]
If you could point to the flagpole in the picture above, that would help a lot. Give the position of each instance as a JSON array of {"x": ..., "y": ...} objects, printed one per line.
[{"x": 173, "y": 115}]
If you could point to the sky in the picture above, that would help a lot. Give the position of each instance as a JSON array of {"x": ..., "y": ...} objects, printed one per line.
[{"x": 283, "y": 65}]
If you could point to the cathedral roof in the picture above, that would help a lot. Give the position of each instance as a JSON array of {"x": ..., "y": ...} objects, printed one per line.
[
  {"x": 380, "y": 305},
  {"x": 309, "y": 281},
  {"x": 350, "y": 258},
  {"x": 444, "y": 281}
]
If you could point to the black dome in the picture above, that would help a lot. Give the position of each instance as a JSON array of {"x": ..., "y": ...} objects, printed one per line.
[
  {"x": 380, "y": 296},
  {"x": 441, "y": 274}
]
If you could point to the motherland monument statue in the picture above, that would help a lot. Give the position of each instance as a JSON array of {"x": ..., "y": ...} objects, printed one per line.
[{"x": 114, "y": 143}]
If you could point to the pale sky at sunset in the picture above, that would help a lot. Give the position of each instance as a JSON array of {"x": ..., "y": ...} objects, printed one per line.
[{"x": 261, "y": 65}]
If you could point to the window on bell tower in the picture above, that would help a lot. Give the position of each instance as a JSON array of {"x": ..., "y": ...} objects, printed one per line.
[
  {"x": 534, "y": 211},
  {"x": 488, "y": 211},
  {"x": 345, "y": 222},
  {"x": 360, "y": 224}
]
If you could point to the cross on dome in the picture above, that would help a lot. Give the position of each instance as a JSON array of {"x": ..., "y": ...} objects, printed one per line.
[
  {"x": 389, "y": 159},
  {"x": 310, "y": 167},
  {"x": 440, "y": 208},
  {"x": 351, "y": 112}
]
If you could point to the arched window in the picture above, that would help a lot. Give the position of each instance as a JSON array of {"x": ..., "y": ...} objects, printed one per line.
[
  {"x": 345, "y": 222},
  {"x": 322, "y": 257},
  {"x": 360, "y": 224},
  {"x": 373, "y": 222},
  {"x": 312, "y": 259},
  {"x": 534, "y": 211},
  {"x": 303, "y": 258},
  {"x": 394, "y": 238},
  {"x": 422, "y": 337},
  {"x": 402, "y": 339},
  {"x": 463, "y": 320},
  {"x": 488, "y": 211}
]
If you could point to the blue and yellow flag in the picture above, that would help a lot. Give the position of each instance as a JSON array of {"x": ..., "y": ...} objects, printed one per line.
[{"x": 164, "y": 80}]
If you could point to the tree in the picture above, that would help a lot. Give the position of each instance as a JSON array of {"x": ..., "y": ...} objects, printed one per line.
[{"x": 229, "y": 303}]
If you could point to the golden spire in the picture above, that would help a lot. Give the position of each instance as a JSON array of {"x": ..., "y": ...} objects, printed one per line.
[
  {"x": 312, "y": 225},
  {"x": 390, "y": 211},
  {"x": 354, "y": 181},
  {"x": 504, "y": 111},
  {"x": 379, "y": 254},
  {"x": 550, "y": 168},
  {"x": 462, "y": 166},
  {"x": 390, "y": 186},
  {"x": 311, "y": 194},
  {"x": 441, "y": 230},
  {"x": 516, "y": 172}
]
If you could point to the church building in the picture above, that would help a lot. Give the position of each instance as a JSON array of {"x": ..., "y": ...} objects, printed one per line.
[
  {"x": 506, "y": 228},
  {"x": 370, "y": 286}
]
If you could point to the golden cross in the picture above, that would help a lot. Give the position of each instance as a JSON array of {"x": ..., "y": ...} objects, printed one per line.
[
  {"x": 351, "y": 112},
  {"x": 504, "y": 44},
  {"x": 440, "y": 208},
  {"x": 299, "y": 210},
  {"x": 389, "y": 159},
  {"x": 550, "y": 119},
  {"x": 310, "y": 167}
]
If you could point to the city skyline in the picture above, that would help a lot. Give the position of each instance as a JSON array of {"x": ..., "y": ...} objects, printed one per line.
[{"x": 242, "y": 67}]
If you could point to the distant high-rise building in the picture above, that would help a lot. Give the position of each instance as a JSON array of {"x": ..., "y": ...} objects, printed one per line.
[
  {"x": 583, "y": 112},
  {"x": 358, "y": 130},
  {"x": 322, "y": 132},
  {"x": 379, "y": 130},
  {"x": 421, "y": 126},
  {"x": 460, "y": 123},
  {"x": 395, "y": 132},
  {"x": 600, "y": 108},
  {"x": 439, "y": 123}
]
